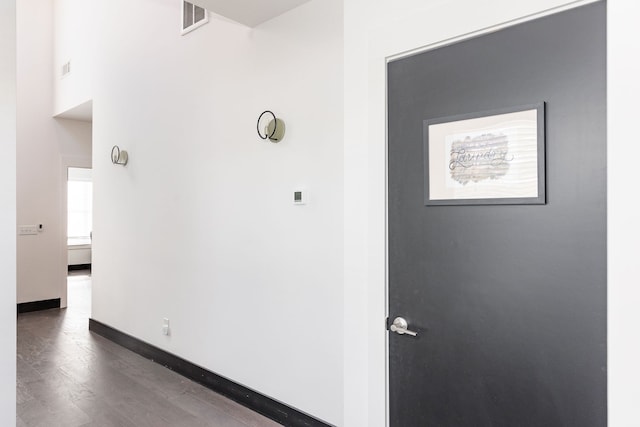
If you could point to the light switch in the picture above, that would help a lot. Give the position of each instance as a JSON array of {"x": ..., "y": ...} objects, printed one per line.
[{"x": 27, "y": 230}]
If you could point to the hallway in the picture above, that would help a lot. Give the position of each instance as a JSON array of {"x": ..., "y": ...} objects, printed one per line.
[{"x": 68, "y": 376}]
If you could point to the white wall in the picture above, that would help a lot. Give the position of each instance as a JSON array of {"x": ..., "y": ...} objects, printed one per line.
[
  {"x": 200, "y": 226},
  {"x": 622, "y": 206},
  {"x": 73, "y": 42},
  {"x": 7, "y": 213},
  {"x": 42, "y": 144},
  {"x": 384, "y": 29},
  {"x": 357, "y": 223}
]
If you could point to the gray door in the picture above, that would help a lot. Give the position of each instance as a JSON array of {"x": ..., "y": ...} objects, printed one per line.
[{"x": 508, "y": 301}]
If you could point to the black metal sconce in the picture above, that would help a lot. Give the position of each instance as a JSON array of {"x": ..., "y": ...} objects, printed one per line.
[
  {"x": 274, "y": 128},
  {"x": 119, "y": 157}
]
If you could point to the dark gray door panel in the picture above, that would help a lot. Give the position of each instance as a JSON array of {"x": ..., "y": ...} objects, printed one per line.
[{"x": 509, "y": 302}]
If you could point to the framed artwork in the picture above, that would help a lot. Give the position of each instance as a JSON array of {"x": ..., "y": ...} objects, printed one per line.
[{"x": 488, "y": 158}]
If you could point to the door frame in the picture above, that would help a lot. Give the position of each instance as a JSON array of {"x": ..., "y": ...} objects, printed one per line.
[{"x": 398, "y": 55}]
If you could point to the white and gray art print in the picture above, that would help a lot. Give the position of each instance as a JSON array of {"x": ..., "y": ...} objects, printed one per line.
[
  {"x": 485, "y": 156},
  {"x": 491, "y": 157}
]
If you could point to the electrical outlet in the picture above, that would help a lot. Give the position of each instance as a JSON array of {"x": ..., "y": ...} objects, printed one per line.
[{"x": 165, "y": 326}]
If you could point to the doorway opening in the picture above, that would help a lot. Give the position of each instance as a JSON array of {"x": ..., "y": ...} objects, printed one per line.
[{"x": 79, "y": 236}]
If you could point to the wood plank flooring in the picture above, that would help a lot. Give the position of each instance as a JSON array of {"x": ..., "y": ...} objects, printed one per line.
[{"x": 68, "y": 376}]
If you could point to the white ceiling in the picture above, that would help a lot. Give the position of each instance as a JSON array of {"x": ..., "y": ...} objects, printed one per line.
[{"x": 249, "y": 12}]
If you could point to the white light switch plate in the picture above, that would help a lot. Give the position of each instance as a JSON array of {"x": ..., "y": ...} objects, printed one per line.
[{"x": 26, "y": 230}]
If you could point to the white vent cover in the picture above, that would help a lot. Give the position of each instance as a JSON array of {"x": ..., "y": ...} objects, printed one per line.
[
  {"x": 66, "y": 68},
  {"x": 193, "y": 17}
]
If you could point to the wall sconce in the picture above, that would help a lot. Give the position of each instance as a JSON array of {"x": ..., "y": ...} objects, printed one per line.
[
  {"x": 119, "y": 157},
  {"x": 273, "y": 130}
]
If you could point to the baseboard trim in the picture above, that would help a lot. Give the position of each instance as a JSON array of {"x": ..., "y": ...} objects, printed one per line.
[
  {"x": 26, "y": 307},
  {"x": 76, "y": 267},
  {"x": 270, "y": 408}
]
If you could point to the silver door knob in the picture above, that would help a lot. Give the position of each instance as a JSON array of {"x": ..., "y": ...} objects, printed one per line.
[{"x": 400, "y": 326}]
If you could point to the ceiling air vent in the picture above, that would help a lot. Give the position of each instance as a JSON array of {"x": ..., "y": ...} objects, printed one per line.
[{"x": 192, "y": 17}]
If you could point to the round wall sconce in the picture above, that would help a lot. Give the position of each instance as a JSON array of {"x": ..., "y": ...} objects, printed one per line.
[
  {"x": 119, "y": 157},
  {"x": 273, "y": 127}
]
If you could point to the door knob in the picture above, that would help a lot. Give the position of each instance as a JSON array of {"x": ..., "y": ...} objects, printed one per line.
[{"x": 400, "y": 326}]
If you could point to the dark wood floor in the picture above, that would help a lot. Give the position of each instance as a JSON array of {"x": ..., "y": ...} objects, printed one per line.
[{"x": 68, "y": 376}]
